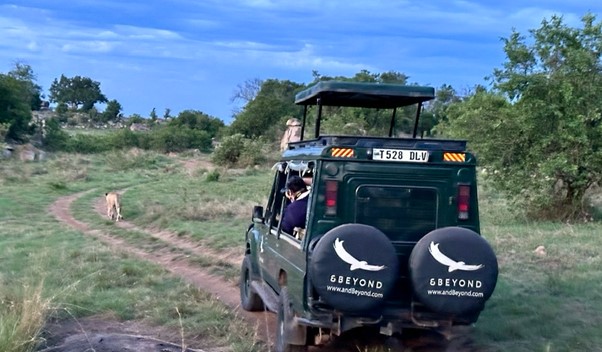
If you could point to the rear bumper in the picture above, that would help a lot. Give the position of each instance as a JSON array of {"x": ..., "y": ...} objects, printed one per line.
[{"x": 390, "y": 321}]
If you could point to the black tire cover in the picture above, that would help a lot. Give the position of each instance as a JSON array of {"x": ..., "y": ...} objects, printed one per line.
[
  {"x": 453, "y": 270},
  {"x": 354, "y": 268}
]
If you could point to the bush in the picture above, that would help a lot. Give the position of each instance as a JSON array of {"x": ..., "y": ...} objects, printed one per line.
[
  {"x": 87, "y": 144},
  {"x": 236, "y": 150},
  {"x": 253, "y": 153},
  {"x": 212, "y": 176},
  {"x": 178, "y": 139},
  {"x": 124, "y": 139},
  {"x": 55, "y": 138},
  {"x": 229, "y": 151}
]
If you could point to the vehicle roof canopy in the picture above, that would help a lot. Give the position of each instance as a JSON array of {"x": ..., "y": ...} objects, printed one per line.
[{"x": 362, "y": 94}]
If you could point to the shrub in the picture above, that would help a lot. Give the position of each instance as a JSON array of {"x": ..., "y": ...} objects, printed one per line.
[
  {"x": 55, "y": 138},
  {"x": 236, "y": 150},
  {"x": 124, "y": 139},
  {"x": 87, "y": 144},
  {"x": 177, "y": 139},
  {"x": 253, "y": 153},
  {"x": 229, "y": 151},
  {"x": 213, "y": 176}
]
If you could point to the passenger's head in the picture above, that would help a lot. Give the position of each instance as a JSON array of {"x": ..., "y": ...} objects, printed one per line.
[{"x": 295, "y": 184}]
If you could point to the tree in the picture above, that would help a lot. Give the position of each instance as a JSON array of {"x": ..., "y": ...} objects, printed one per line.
[
  {"x": 539, "y": 128},
  {"x": 15, "y": 111},
  {"x": 197, "y": 120},
  {"x": 435, "y": 111},
  {"x": 77, "y": 92},
  {"x": 153, "y": 115},
  {"x": 247, "y": 91},
  {"x": 112, "y": 111},
  {"x": 31, "y": 91},
  {"x": 263, "y": 115}
]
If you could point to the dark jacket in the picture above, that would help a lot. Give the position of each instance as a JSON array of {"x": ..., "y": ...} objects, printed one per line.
[{"x": 294, "y": 215}]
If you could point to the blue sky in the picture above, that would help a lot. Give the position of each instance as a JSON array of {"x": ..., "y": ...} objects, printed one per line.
[{"x": 192, "y": 54}]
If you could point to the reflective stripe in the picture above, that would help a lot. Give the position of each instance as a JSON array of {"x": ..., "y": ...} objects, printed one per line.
[
  {"x": 455, "y": 157},
  {"x": 342, "y": 152}
]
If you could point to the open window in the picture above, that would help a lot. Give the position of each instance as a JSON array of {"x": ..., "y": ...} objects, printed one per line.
[{"x": 278, "y": 201}]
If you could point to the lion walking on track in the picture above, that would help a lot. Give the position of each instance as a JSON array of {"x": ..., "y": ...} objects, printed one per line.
[{"x": 113, "y": 205}]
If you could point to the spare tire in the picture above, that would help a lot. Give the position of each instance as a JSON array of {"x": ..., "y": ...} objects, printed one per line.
[
  {"x": 353, "y": 268},
  {"x": 453, "y": 270}
]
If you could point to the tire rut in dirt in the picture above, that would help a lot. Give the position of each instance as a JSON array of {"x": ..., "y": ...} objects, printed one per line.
[
  {"x": 229, "y": 293},
  {"x": 226, "y": 292}
]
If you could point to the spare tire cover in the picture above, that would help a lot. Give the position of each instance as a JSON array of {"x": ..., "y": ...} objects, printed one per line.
[
  {"x": 353, "y": 268},
  {"x": 453, "y": 270}
]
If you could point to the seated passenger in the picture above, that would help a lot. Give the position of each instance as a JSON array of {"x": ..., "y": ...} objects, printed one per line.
[{"x": 296, "y": 212}]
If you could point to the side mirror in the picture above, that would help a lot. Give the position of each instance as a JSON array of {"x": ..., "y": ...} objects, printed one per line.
[{"x": 258, "y": 213}]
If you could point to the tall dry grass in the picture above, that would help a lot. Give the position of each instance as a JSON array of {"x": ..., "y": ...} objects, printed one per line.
[{"x": 22, "y": 316}]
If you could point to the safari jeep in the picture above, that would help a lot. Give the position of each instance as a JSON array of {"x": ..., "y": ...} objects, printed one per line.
[{"x": 392, "y": 237}]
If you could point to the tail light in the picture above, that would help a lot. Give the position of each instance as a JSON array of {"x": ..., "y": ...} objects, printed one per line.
[
  {"x": 463, "y": 201},
  {"x": 332, "y": 188}
]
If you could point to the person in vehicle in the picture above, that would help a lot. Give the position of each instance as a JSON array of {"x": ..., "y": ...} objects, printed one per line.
[{"x": 296, "y": 212}]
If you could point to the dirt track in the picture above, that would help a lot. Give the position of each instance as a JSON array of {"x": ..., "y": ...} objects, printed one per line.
[{"x": 227, "y": 292}]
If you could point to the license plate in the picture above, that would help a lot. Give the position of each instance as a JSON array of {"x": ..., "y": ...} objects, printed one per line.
[{"x": 415, "y": 156}]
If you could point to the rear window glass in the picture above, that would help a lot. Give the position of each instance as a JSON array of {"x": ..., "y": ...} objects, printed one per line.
[{"x": 402, "y": 213}]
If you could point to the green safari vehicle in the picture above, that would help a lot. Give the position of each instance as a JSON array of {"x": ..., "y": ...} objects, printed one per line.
[{"x": 392, "y": 237}]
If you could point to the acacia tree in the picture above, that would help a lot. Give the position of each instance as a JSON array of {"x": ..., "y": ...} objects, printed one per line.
[
  {"x": 76, "y": 92},
  {"x": 539, "y": 127}
]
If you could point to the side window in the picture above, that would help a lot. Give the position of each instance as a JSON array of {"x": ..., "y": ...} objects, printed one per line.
[{"x": 276, "y": 199}]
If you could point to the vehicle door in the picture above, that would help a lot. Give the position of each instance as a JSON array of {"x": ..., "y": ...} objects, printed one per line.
[
  {"x": 268, "y": 246},
  {"x": 282, "y": 250}
]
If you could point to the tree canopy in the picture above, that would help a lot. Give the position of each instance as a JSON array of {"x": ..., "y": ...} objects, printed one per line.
[
  {"x": 31, "y": 91},
  {"x": 78, "y": 92},
  {"x": 18, "y": 92},
  {"x": 538, "y": 129},
  {"x": 197, "y": 120},
  {"x": 112, "y": 111},
  {"x": 266, "y": 113}
]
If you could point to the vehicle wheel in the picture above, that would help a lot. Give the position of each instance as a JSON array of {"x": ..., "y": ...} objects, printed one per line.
[
  {"x": 249, "y": 299},
  {"x": 453, "y": 271},
  {"x": 285, "y": 322}
]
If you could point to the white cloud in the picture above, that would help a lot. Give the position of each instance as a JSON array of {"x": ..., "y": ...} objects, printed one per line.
[
  {"x": 88, "y": 47},
  {"x": 145, "y": 33}
]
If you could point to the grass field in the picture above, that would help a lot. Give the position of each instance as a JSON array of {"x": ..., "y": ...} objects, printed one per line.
[
  {"x": 51, "y": 272},
  {"x": 541, "y": 303}
]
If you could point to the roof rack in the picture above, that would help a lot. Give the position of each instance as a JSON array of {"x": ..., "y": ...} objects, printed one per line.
[{"x": 362, "y": 94}]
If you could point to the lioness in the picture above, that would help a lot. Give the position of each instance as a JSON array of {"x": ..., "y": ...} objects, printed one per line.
[{"x": 113, "y": 206}]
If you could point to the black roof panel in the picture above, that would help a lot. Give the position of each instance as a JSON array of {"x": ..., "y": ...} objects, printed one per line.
[{"x": 362, "y": 94}]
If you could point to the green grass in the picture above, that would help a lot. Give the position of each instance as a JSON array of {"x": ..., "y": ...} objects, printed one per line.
[
  {"x": 549, "y": 303},
  {"x": 215, "y": 212},
  {"x": 77, "y": 276}
]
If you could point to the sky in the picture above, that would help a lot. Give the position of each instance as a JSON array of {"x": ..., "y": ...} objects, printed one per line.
[{"x": 194, "y": 54}]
